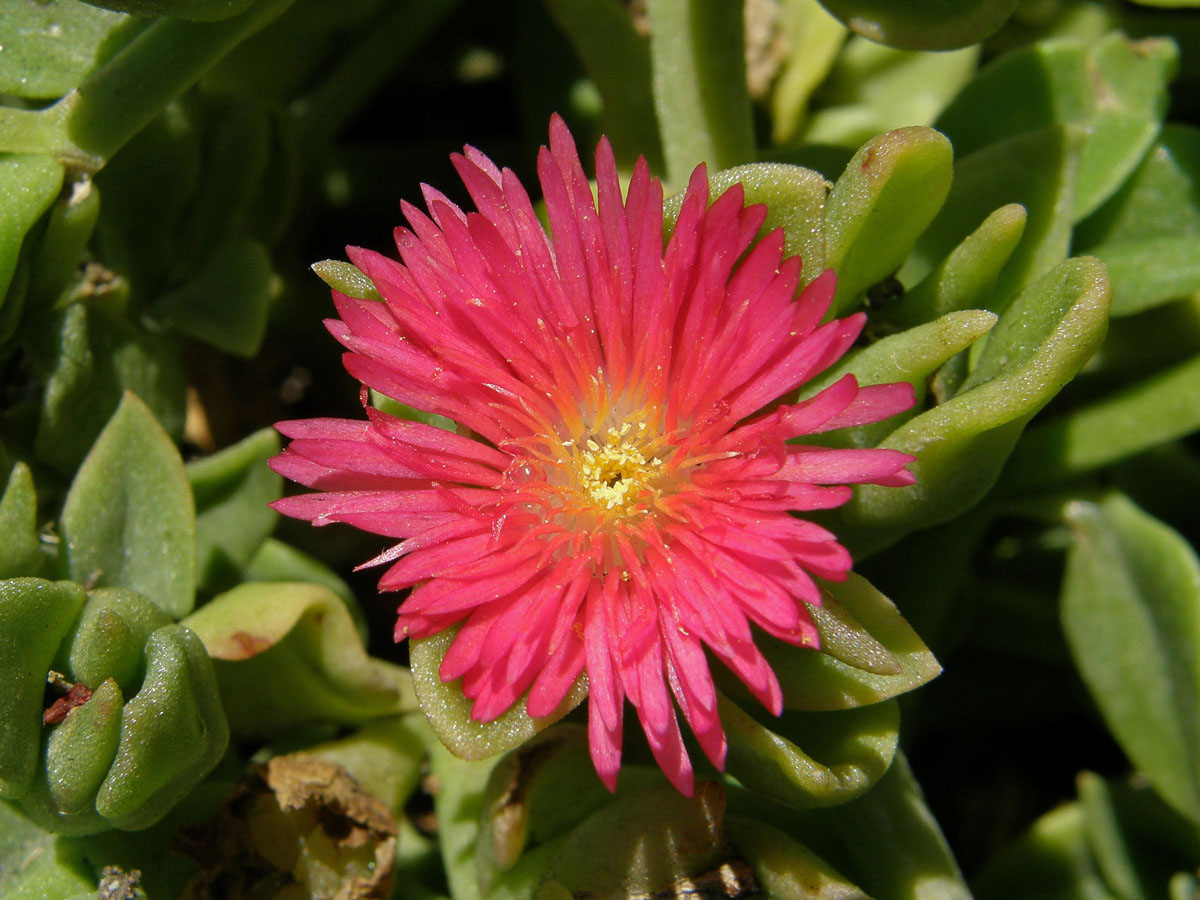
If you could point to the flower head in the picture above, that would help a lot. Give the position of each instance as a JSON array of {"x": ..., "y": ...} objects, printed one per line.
[{"x": 621, "y": 497}]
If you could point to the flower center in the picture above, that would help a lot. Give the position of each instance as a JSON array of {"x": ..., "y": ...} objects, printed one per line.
[{"x": 615, "y": 474}]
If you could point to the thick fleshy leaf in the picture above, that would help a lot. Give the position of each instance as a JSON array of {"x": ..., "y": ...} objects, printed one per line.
[
  {"x": 653, "y": 840},
  {"x": 872, "y": 89},
  {"x": 449, "y": 710},
  {"x": 34, "y": 865},
  {"x": 1049, "y": 862},
  {"x": 787, "y": 870},
  {"x": 226, "y": 304},
  {"x": 811, "y": 759},
  {"x": 911, "y": 356},
  {"x": 19, "y": 552},
  {"x": 697, "y": 61},
  {"x": 277, "y": 561},
  {"x": 128, "y": 519},
  {"x": 62, "y": 250},
  {"x": 1115, "y": 89},
  {"x": 458, "y": 804},
  {"x": 232, "y": 489},
  {"x": 907, "y": 857},
  {"x": 1148, "y": 233},
  {"x": 200, "y": 10},
  {"x": 1131, "y": 612},
  {"x": 49, "y": 47},
  {"x": 1119, "y": 840},
  {"x": 35, "y": 615},
  {"x": 108, "y": 765},
  {"x": 300, "y": 635},
  {"x": 1147, "y": 413},
  {"x": 80, "y": 750},
  {"x": 97, "y": 358},
  {"x": 173, "y": 731},
  {"x": 966, "y": 278},
  {"x": 538, "y": 792},
  {"x": 1107, "y": 811},
  {"x": 815, "y": 37},
  {"x": 28, "y": 185},
  {"x": 109, "y": 639},
  {"x": 816, "y": 680},
  {"x": 923, "y": 24},
  {"x": 889, "y": 193},
  {"x": 147, "y": 188},
  {"x": 1036, "y": 169},
  {"x": 795, "y": 199},
  {"x": 1042, "y": 340},
  {"x": 216, "y": 237}
]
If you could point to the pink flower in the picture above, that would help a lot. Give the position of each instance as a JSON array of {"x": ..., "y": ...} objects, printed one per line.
[{"x": 621, "y": 498}]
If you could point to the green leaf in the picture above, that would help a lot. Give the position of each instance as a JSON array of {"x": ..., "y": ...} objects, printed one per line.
[
  {"x": 28, "y": 185},
  {"x": 652, "y": 840},
  {"x": 816, "y": 680},
  {"x": 34, "y": 865},
  {"x": 1115, "y": 90},
  {"x": 923, "y": 24},
  {"x": 872, "y": 89},
  {"x": 814, "y": 38},
  {"x": 20, "y": 553},
  {"x": 538, "y": 792},
  {"x": 1035, "y": 169},
  {"x": 1042, "y": 340},
  {"x": 795, "y": 200},
  {"x": 907, "y": 857},
  {"x": 118, "y": 99},
  {"x": 966, "y": 278},
  {"x": 35, "y": 615},
  {"x": 458, "y": 805},
  {"x": 1131, "y": 612},
  {"x": 811, "y": 759},
  {"x": 1050, "y": 862},
  {"x": 1147, "y": 233},
  {"x": 911, "y": 356},
  {"x": 1148, "y": 412},
  {"x": 232, "y": 489},
  {"x": 302, "y": 636},
  {"x": 449, "y": 710},
  {"x": 50, "y": 47},
  {"x": 890, "y": 192},
  {"x": 697, "y": 58},
  {"x": 1108, "y": 842},
  {"x": 277, "y": 561},
  {"x": 62, "y": 248},
  {"x": 226, "y": 304},
  {"x": 173, "y": 731},
  {"x": 147, "y": 188},
  {"x": 617, "y": 60},
  {"x": 237, "y": 154},
  {"x": 128, "y": 519},
  {"x": 96, "y": 359},
  {"x": 1129, "y": 82},
  {"x": 109, "y": 638},
  {"x": 787, "y": 870},
  {"x": 80, "y": 750}
]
